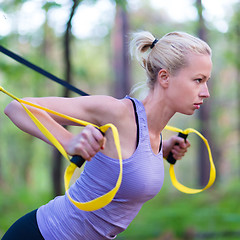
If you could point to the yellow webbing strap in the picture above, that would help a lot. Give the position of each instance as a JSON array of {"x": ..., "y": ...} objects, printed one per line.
[
  {"x": 212, "y": 176},
  {"x": 96, "y": 203}
]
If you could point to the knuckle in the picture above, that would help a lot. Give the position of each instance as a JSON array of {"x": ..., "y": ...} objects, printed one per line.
[
  {"x": 78, "y": 148},
  {"x": 80, "y": 145},
  {"x": 85, "y": 133},
  {"x": 89, "y": 126},
  {"x": 82, "y": 142}
]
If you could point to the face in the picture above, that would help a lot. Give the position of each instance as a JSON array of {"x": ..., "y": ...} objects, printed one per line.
[{"x": 188, "y": 88}]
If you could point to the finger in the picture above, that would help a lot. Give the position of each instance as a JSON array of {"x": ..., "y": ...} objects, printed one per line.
[
  {"x": 177, "y": 155},
  {"x": 91, "y": 137},
  {"x": 98, "y": 135},
  {"x": 100, "y": 139},
  {"x": 80, "y": 147},
  {"x": 87, "y": 143},
  {"x": 184, "y": 144},
  {"x": 103, "y": 143},
  {"x": 90, "y": 144},
  {"x": 84, "y": 145},
  {"x": 179, "y": 149},
  {"x": 85, "y": 155}
]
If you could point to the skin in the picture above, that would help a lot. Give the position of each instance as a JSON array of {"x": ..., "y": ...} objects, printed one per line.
[{"x": 183, "y": 92}]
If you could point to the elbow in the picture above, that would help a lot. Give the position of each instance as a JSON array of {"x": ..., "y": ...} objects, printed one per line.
[{"x": 10, "y": 108}]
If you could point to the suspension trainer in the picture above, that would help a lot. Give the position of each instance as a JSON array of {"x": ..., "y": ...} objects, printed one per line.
[
  {"x": 77, "y": 161},
  {"x": 34, "y": 67}
]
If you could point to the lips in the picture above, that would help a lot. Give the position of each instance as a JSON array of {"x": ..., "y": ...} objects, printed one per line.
[{"x": 197, "y": 105}]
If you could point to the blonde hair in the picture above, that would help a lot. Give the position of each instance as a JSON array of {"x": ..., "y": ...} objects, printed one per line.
[{"x": 170, "y": 52}]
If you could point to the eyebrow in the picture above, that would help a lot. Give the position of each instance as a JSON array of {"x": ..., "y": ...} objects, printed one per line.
[{"x": 203, "y": 76}]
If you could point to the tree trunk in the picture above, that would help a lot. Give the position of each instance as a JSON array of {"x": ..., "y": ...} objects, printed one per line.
[
  {"x": 120, "y": 54},
  {"x": 57, "y": 157},
  {"x": 204, "y": 114}
]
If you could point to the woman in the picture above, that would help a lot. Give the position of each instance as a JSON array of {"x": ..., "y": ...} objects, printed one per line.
[{"x": 178, "y": 67}]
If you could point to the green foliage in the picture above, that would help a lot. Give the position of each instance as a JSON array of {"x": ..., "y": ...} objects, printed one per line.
[
  {"x": 17, "y": 201},
  {"x": 122, "y": 3},
  {"x": 12, "y": 5},
  {"x": 215, "y": 211},
  {"x": 48, "y": 5}
]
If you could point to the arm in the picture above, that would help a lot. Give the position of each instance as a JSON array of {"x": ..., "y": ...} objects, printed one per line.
[
  {"x": 178, "y": 151},
  {"x": 93, "y": 109},
  {"x": 20, "y": 118}
]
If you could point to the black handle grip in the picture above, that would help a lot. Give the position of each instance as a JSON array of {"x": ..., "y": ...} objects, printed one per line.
[
  {"x": 170, "y": 157},
  {"x": 79, "y": 160}
]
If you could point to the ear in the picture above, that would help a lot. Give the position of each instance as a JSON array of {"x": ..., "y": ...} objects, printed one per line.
[{"x": 163, "y": 78}]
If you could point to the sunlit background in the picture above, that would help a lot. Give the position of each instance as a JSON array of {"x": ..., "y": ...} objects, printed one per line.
[{"x": 92, "y": 16}]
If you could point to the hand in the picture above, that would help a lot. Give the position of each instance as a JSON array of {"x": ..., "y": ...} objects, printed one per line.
[
  {"x": 87, "y": 143},
  {"x": 177, "y": 145}
]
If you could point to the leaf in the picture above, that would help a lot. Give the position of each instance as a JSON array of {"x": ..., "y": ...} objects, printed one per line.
[{"x": 49, "y": 5}]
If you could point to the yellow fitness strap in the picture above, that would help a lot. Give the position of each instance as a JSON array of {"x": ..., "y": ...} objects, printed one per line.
[
  {"x": 105, "y": 199},
  {"x": 212, "y": 176}
]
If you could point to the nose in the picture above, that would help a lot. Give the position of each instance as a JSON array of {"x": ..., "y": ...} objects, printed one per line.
[{"x": 204, "y": 91}]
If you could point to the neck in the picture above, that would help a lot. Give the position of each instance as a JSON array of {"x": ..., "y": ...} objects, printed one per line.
[{"x": 158, "y": 112}]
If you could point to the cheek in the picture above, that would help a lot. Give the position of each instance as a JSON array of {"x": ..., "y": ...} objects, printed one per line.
[
  {"x": 184, "y": 91},
  {"x": 189, "y": 90},
  {"x": 186, "y": 96}
]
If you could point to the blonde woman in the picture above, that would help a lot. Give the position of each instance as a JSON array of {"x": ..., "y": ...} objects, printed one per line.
[{"x": 178, "y": 67}]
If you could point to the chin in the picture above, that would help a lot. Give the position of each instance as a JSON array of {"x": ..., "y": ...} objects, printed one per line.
[{"x": 189, "y": 112}]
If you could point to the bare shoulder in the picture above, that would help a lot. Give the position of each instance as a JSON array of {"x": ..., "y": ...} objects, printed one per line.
[
  {"x": 109, "y": 108},
  {"x": 98, "y": 109}
]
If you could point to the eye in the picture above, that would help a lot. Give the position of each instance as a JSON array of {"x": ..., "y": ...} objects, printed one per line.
[{"x": 198, "y": 80}]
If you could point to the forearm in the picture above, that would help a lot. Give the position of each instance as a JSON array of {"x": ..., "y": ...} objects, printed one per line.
[{"x": 20, "y": 118}]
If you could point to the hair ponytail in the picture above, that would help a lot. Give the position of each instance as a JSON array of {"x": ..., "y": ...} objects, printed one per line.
[{"x": 140, "y": 44}]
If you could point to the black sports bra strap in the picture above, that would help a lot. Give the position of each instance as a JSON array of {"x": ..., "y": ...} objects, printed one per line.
[
  {"x": 160, "y": 142},
  {"x": 136, "y": 118}
]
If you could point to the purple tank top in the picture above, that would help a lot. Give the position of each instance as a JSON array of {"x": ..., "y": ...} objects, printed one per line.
[{"x": 143, "y": 175}]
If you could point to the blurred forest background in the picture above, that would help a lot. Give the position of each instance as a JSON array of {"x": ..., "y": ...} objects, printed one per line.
[{"x": 86, "y": 44}]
